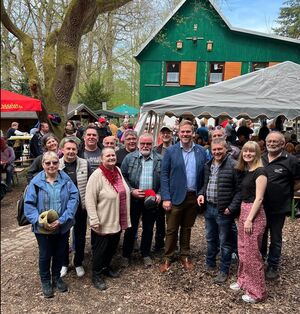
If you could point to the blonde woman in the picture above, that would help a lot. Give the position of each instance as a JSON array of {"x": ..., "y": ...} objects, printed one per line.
[{"x": 252, "y": 223}]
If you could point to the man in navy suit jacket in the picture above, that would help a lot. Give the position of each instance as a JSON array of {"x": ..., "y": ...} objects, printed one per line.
[{"x": 181, "y": 181}]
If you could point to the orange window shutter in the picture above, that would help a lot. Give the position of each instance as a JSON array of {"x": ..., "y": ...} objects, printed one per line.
[
  {"x": 273, "y": 63},
  {"x": 232, "y": 69},
  {"x": 188, "y": 73}
]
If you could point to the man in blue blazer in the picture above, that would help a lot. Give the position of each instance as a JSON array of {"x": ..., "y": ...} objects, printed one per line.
[{"x": 181, "y": 181}]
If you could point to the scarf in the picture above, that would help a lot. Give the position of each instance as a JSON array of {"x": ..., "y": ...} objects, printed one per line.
[{"x": 110, "y": 175}]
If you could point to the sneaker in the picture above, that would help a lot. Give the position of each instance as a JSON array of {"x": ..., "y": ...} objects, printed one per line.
[
  {"x": 147, "y": 261},
  {"x": 272, "y": 273},
  {"x": 248, "y": 299},
  {"x": 234, "y": 258},
  {"x": 220, "y": 278},
  {"x": 124, "y": 262},
  {"x": 60, "y": 285},
  {"x": 235, "y": 286},
  {"x": 99, "y": 283},
  {"x": 79, "y": 271},
  {"x": 63, "y": 271},
  {"x": 47, "y": 289}
]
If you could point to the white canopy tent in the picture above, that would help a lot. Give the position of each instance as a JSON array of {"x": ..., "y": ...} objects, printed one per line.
[{"x": 267, "y": 93}]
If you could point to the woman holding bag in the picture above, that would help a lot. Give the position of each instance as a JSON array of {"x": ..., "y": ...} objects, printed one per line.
[{"x": 50, "y": 205}]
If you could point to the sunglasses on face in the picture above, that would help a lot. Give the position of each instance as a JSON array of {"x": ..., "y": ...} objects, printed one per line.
[{"x": 48, "y": 163}]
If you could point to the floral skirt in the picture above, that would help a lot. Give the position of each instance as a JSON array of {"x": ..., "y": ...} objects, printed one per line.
[{"x": 251, "y": 275}]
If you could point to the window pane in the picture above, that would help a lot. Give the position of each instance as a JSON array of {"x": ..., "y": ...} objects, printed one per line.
[
  {"x": 173, "y": 77},
  {"x": 215, "y": 77}
]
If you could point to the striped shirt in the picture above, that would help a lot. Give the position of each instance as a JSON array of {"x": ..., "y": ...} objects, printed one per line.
[{"x": 146, "y": 178}]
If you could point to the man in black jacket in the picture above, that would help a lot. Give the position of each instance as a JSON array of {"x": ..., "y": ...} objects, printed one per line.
[
  {"x": 222, "y": 197},
  {"x": 36, "y": 147},
  {"x": 283, "y": 170}
]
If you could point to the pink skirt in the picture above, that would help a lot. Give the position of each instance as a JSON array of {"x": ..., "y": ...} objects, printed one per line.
[{"x": 251, "y": 274}]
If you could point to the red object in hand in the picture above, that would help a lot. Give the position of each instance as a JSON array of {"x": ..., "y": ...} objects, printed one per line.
[{"x": 149, "y": 193}]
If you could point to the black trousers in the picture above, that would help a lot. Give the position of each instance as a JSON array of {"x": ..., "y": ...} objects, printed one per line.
[
  {"x": 160, "y": 228},
  {"x": 274, "y": 226},
  {"x": 137, "y": 210},
  {"x": 79, "y": 235},
  {"x": 104, "y": 248}
]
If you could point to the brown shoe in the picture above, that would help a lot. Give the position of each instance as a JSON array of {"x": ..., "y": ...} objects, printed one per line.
[
  {"x": 187, "y": 264},
  {"x": 165, "y": 266}
]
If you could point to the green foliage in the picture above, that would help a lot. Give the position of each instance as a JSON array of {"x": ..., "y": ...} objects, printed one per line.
[
  {"x": 93, "y": 94},
  {"x": 289, "y": 19},
  {"x": 121, "y": 94}
]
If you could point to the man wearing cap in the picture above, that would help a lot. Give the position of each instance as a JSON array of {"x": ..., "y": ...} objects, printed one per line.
[
  {"x": 166, "y": 135},
  {"x": 36, "y": 147},
  {"x": 130, "y": 145},
  {"x": 79, "y": 170},
  {"x": 103, "y": 129},
  {"x": 181, "y": 180},
  {"x": 141, "y": 170}
]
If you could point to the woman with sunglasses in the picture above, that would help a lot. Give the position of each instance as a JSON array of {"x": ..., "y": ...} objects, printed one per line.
[
  {"x": 51, "y": 189},
  {"x": 50, "y": 144},
  {"x": 252, "y": 223}
]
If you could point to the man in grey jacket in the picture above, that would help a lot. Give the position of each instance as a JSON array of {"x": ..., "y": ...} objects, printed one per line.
[
  {"x": 141, "y": 170},
  {"x": 222, "y": 197}
]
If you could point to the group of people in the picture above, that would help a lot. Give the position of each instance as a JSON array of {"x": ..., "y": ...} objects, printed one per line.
[{"x": 164, "y": 186}]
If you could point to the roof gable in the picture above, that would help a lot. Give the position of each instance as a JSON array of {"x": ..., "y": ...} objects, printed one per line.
[{"x": 218, "y": 11}]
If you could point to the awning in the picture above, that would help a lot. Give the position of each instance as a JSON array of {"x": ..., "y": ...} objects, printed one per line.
[{"x": 15, "y": 102}]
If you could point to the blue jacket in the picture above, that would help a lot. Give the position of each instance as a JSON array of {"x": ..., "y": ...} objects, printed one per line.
[
  {"x": 132, "y": 168},
  {"x": 173, "y": 175},
  {"x": 35, "y": 203}
]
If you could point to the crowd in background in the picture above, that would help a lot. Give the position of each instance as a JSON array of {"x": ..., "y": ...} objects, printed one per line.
[{"x": 114, "y": 179}]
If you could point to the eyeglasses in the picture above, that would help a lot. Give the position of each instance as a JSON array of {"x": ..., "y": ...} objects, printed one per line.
[
  {"x": 48, "y": 163},
  {"x": 144, "y": 144}
]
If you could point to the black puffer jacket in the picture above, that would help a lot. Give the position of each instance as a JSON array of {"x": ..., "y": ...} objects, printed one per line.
[{"x": 229, "y": 182}]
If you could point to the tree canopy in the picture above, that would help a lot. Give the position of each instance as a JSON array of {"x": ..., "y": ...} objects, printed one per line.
[{"x": 289, "y": 19}]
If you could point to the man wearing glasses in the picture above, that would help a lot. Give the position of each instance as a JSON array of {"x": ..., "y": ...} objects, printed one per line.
[
  {"x": 181, "y": 180},
  {"x": 283, "y": 170},
  {"x": 130, "y": 141},
  {"x": 141, "y": 170}
]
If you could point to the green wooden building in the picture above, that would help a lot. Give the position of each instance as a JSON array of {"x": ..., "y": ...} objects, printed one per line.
[{"x": 196, "y": 46}]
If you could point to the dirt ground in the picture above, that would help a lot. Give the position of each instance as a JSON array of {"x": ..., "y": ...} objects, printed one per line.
[{"x": 138, "y": 290}]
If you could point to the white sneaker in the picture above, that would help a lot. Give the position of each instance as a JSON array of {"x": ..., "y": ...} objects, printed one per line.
[
  {"x": 63, "y": 271},
  {"x": 235, "y": 286},
  {"x": 79, "y": 271},
  {"x": 248, "y": 299}
]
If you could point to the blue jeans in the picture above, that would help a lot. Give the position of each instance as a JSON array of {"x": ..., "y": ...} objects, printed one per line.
[
  {"x": 218, "y": 229},
  {"x": 51, "y": 248}
]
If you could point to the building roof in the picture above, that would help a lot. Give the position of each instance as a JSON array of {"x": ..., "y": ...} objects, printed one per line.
[
  {"x": 109, "y": 114},
  {"x": 72, "y": 108},
  {"x": 236, "y": 29},
  {"x": 269, "y": 92}
]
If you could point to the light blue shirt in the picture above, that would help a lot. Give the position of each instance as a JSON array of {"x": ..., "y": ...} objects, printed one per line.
[
  {"x": 54, "y": 191},
  {"x": 190, "y": 167},
  {"x": 146, "y": 178}
]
